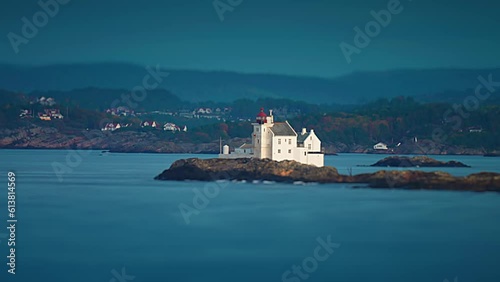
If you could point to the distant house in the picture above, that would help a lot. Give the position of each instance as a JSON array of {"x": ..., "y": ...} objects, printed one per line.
[
  {"x": 171, "y": 127},
  {"x": 111, "y": 126},
  {"x": 44, "y": 116},
  {"x": 46, "y": 101},
  {"x": 50, "y": 101},
  {"x": 50, "y": 114},
  {"x": 380, "y": 146},
  {"x": 26, "y": 114},
  {"x": 54, "y": 113},
  {"x": 475, "y": 129},
  {"x": 150, "y": 123}
]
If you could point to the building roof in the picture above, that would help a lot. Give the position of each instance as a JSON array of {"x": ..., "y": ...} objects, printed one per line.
[
  {"x": 246, "y": 146},
  {"x": 261, "y": 114},
  {"x": 302, "y": 137},
  {"x": 283, "y": 129}
]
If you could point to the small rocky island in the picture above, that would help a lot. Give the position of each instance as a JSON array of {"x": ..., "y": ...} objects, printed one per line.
[
  {"x": 251, "y": 169},
  {"x": 420, "y": 161}
]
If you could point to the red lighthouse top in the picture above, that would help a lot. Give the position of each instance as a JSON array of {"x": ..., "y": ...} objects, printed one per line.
[{"x": 261, "y": 117}]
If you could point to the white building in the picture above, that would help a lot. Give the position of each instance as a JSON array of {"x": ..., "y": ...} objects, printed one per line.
[
  {"x": 111, "y": 126},
  {"x": 475, "y": 129},
  {"x": 278, "y": 141},
  {"x": 26, "y": 114},
  {"x": 50, "y": 114},
  {"x": 244, "y": 149},
  {"x": 150, "y": 123},
  {"x": 380, "y": 146},
  {"x": 170, "y": 127}
]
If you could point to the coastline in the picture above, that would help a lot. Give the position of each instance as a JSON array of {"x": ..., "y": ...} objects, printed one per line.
[{"x": 37, "y": 137}]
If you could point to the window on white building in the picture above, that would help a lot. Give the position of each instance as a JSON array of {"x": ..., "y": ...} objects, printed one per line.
[
  {"x": 279, "y": 141},
  {"x": 289, "y": 141},
  {"x": 305, "y": 153},
  {"x": 309, "y": 146},
  {"x": 289, "y": 151},
  {"x": 257, "y": 129},
  {"x": 279, "y": 151}
]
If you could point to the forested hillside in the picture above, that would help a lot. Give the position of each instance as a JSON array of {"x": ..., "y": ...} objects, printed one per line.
[{"x": 399, "y": 120}]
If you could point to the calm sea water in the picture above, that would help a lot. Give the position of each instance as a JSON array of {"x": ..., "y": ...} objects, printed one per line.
[{"x": 109, "y": 214}]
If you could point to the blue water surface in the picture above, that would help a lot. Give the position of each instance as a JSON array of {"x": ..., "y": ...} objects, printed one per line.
[{"x": 106, "y": 215}]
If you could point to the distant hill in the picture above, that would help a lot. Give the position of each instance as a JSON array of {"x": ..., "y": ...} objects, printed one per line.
[
  {"x": 228, "y": 86},
  {"x": 102, "y": 99},
  {"x": 451, "y": 96}
]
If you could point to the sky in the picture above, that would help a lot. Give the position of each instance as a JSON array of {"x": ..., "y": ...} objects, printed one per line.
[{"x": 296, "y": 37}]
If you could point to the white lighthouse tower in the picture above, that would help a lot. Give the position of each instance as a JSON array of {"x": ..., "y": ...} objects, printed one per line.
[{"x": 262, "y": 136}]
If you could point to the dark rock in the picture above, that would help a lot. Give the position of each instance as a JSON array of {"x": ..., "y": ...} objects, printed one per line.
[
  {"x": 420, "y": 161},
  {"x": 247, "y": 169},
  {"x": 290, "y": 171}
]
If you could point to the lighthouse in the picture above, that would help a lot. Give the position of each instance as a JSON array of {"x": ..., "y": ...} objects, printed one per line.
[
  {"x": 261, "y": 136},
  {"x": 279, "y": 141}
]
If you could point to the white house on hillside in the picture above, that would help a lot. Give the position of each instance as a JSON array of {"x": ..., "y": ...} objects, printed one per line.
[
  {"x": 380, "y": 146},
  {"x": 111, "y": 126},
  {"x": 150, "y": 123},
  {"x": 278, "y": 141},
  {"x": 170, "y": 127}
]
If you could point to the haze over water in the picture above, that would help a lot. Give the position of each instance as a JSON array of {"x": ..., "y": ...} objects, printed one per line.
[{"x": 109, "y": 213}]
